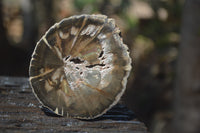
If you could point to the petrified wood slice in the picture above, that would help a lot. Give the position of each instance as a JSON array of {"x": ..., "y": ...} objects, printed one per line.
[{"x": 80, "y": 67}]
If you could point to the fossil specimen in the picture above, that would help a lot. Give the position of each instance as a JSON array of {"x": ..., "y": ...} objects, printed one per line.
[{"x": 79, "y": 68}]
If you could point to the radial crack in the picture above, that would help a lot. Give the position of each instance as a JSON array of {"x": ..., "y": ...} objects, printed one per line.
[{"x": 91, "y": 66}]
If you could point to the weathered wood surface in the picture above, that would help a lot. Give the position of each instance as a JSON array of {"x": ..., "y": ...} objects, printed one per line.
[{"x": 21, "y": 112}]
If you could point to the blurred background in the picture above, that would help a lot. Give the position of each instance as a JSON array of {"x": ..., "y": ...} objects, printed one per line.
[{"x": 163, "y": 89}]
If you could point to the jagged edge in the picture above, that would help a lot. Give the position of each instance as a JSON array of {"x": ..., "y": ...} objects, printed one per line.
[{"x": 124, "y": 81}]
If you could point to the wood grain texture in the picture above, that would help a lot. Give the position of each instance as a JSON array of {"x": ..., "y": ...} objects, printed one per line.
[
  {"x": 20, "y": 112},
  {"x": 79, "y": 68}
]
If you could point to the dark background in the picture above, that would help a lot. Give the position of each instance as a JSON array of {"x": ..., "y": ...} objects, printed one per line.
[{"x": 164, "y": 41}]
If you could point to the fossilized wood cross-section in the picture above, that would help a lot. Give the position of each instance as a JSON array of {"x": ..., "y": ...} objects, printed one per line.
[{"x": 80, "y": 67}]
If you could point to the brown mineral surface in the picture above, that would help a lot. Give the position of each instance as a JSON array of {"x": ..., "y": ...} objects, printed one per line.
[{"x": 80, "y": 67}]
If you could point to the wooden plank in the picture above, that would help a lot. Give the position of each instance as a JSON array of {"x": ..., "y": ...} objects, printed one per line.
[{"x": 21, "y": 112}]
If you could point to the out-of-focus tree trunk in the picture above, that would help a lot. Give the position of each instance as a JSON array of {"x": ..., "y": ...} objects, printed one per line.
[
  {"x": 187, "y": 91},
  {"x": 30, "y": 25},
  {"x": 13, "y": 60},
  {"x": 9, "y": 61}
]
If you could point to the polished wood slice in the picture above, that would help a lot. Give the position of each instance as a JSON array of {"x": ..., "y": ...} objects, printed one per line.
[{"x": 79, "y": 68}]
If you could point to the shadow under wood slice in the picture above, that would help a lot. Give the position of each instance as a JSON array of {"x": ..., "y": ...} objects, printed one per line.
[{"x": 118, "y": 112}]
